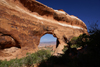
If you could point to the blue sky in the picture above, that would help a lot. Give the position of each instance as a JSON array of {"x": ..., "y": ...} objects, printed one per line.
[
  {"x": 86, "y": 10},
  {"x": 48, "y": 38}
]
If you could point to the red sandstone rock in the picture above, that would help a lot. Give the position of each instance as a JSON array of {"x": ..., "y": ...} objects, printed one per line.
[{"x": 24, "y": 22}]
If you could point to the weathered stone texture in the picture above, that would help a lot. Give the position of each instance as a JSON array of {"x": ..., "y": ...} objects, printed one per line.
[{"x": 24, "y": 22}]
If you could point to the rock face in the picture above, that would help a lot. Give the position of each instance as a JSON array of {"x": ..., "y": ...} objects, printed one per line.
[{"x": 24, "y": 22}]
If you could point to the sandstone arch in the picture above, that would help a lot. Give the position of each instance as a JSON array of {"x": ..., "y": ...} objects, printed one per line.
[{"x": 27, "y": 25}]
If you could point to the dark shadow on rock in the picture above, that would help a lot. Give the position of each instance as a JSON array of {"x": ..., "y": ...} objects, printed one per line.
[{"x": 89, "y": 56}]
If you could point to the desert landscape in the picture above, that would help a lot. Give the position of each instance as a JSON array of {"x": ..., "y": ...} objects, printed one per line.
[{"x": 24, "y": 22}]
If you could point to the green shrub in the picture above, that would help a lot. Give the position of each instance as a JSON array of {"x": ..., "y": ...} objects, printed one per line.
[
  {"x": 65, "y": 48},
  {"x": 27, "y": 61},
  {"x": 73, "y": 40},
  {"x": 80, "y": 41}
]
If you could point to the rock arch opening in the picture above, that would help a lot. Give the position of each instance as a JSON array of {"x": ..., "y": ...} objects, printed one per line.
[{"x": 47, "y": 40}]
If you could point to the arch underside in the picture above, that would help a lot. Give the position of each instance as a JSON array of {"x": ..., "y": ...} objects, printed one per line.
[{"x": 23, "y": 26}]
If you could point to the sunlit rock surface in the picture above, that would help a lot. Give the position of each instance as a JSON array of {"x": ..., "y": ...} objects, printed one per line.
[{"x": 24, "y": 22}]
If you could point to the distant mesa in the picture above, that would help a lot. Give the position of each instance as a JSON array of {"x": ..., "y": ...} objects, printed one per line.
[{"x": 43, "y": 44}]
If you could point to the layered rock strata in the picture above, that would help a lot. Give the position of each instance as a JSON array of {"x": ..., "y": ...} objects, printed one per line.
[{"x": 24, "y": 22}]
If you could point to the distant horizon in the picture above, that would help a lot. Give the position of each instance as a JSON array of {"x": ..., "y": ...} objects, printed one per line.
[{"x": 47, "y": 43}]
